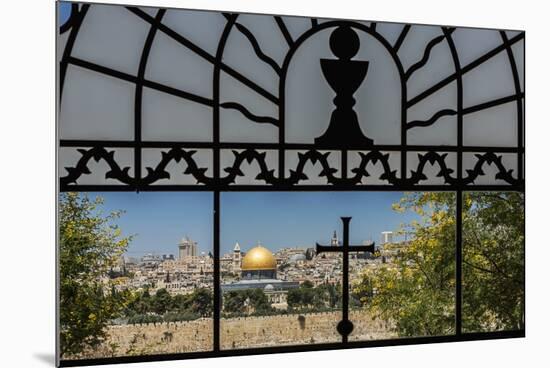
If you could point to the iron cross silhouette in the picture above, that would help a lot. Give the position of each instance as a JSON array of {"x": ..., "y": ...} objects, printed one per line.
[{"x": 345, "y": 326}]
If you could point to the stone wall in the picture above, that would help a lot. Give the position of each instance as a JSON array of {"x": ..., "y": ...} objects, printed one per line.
[{"x": 246, "y": 332}]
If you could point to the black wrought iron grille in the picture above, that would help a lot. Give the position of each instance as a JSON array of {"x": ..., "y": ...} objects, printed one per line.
[{"x": 438, "y": 75}]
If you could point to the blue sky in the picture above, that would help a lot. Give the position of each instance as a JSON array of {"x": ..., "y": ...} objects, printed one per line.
[
  {"x": 64, "y": 12},
  {"x": 276, "y": 219}
]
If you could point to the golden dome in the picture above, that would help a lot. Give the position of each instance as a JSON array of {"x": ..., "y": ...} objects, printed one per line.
[{"x": 259, "y": 258}]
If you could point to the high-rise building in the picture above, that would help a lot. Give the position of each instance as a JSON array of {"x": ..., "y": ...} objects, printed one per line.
[
  {"x": 387, "y": 237},
  {"x": 187, "y": 248}
]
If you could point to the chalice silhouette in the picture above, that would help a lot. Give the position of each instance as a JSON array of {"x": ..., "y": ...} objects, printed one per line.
[{"x": 344, "y": 77}]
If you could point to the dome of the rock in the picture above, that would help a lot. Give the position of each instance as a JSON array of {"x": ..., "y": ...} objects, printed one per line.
[{"x": 259, "y": 259}]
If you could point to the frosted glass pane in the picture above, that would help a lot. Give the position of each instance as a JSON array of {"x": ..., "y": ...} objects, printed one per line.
[
  {"x": 512, "y": 34},
  {"x": 519, "y": 58},
  {"x": 61, "y": 42},
  {"x": 113, "y": 37},
  {"x": 473, "y": 43},
  {"x": 202, "y": 28},
  {"x": 177, "y": 170},
  {"x": 491, "y": 80},
  {"x": 413, "y": 47},
  {"x": 96, "y": 106},
  {"x": 267, "y": 33},
  {"x": 170, "y": 118},
  {"x": 438, "y": 66},
  {"x": 296, "y": 26},
  {"x": 174, "y": 65},
  {"x": 239, "y": 54},
  {"x": 234, "y": 125},
  {"x": 443, "y": 131},
  {"x": 496, "y": 126},
  {"x": 390, "y": 31}
]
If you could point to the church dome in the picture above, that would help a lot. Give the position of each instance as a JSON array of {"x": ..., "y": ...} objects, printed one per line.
[
  {"x": 259, "y": 258},
  {"x": 297, "y": 257}
]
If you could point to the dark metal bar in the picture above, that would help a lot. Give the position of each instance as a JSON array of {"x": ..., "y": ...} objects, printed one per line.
[
  {"x": 139, "y": 97},
  {"x": 217, "y": 281},
  {"x": 345, "y": 274},
  {"x": 284, "y": 31},
  {"x": 296, "y": 188},
  {"x": 344, "y": 163},
  {"x": 493, "y": 103},
  {"x": 458, "y": 265},
  {"x": 351, "y": 249},
  {"x": 458, "y": 195},
  {"x": 299, "y": 348},
  {"x": 216, "y": 137},
  {"x": 401, "y": 37},
  {"x": 276, "y": 146}
]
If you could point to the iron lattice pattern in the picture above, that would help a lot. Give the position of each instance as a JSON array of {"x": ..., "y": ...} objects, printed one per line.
[{"x": 337, "y": 160}]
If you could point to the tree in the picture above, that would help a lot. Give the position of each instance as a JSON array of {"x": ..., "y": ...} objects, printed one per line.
[
  {"x": 237, "y": 302},
  {"x": 259, "y": 301},
  {"x": 294, "y": 298},
  {"x": 162, "y": 301},
  {"x": 306, "y": 296},
  {"x": 90, "y": 245},
  {"x": 202, "y": 302},
  {"x": 415, "y": 292},
  {"x": 234, "y": 302},
  {"x": 493, "y": 277}
]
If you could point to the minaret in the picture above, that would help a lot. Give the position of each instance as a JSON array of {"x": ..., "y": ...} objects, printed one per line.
[{"x": 334, "y": 241}]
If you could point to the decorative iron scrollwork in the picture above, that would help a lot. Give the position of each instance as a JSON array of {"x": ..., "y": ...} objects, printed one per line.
[
  {"x": 97, "y": 153},
  {"x": 297, "y": 175}
]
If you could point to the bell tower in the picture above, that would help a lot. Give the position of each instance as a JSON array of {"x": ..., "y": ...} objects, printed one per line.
[{"x": 237, "y": 258}]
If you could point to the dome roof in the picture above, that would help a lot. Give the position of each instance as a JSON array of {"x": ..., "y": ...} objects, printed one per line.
[
  {"x": 258, "y": 258},
  {"x": 297, "y": 257}
]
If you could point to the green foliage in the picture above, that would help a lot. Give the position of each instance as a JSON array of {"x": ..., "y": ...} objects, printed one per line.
[
  {"x": 313, "y": 299},
  {"x": 493, "y": 241},
  {"x": 90, "y": 245},
  {"x": 415, "y": 292},
  {"x": 202, "y": 302},
  {"x": 162, "y": 306},
  {"x": 249, "y": 301}
]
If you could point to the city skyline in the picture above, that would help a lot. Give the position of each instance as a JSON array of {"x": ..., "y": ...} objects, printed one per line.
[{"x": 277, "y": 220}]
